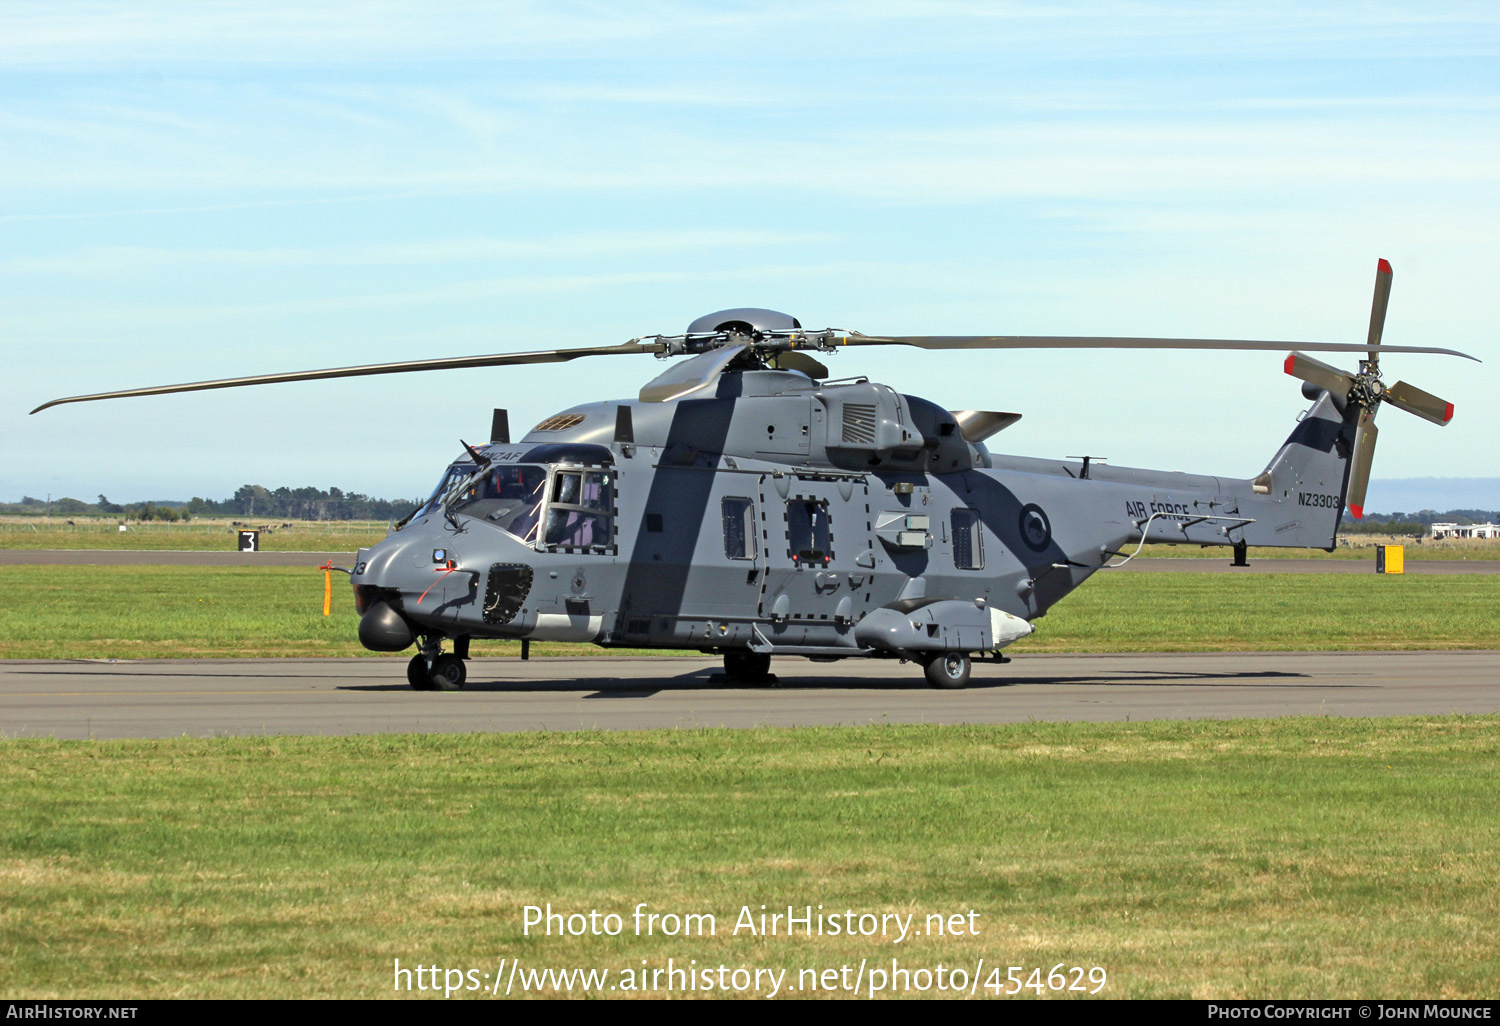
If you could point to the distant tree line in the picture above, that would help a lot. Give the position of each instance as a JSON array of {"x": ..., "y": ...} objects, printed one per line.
[
  {"x": 251, "y": 501},
  {"x": 1416, "y": 525},
  {"x": 307, "y": 503}
]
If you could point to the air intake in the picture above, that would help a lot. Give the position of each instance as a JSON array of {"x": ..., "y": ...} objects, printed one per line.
[{"x": 859, "y": 423}]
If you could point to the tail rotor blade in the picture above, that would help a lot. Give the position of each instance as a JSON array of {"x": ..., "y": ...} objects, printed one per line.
[
  {"x": 1423, "y": 404},
  {"x": 1377, "y": 307},
  {"x": 1364, "y": 456},
  {"x": 1316, "y": 372}
]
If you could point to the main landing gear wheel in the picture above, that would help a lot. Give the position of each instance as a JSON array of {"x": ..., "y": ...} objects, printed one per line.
[
  {"x": 744, "y": 667},
  {"x": 950, "y": 670}
]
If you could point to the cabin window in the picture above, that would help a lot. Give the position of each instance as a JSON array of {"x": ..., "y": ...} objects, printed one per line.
[
  {"x": 580, "y": 510},
  {"x": 968, "y": 540},
  {"x": 809, "y": 531},
  {"x": 739, "y": 528}
]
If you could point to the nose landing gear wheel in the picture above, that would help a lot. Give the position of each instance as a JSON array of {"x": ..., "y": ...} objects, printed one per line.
[
  {"x": 416, "y": 673},
  {"x": 447, "y": 674},
  {"x": 949, "y": 671}
]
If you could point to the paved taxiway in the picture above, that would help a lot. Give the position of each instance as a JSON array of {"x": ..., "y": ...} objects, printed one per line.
[
  {"x": 1147, "y": 564},
  {"x": 81, "y": 699}
]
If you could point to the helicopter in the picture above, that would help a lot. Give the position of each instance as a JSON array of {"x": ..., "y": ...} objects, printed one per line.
[{"x": 747, "y": 505}]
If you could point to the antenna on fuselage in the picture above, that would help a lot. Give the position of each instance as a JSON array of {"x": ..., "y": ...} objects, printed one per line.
[{"x": 480, "y": 461}]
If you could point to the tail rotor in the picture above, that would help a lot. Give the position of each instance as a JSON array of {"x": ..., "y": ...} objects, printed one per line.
[{"x": 1366, "y": 391}]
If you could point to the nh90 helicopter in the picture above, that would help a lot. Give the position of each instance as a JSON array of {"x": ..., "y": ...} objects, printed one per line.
[{"x": 747, "y": 505}]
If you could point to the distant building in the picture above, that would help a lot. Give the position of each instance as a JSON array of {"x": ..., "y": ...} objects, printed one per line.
[{"x": 1465, "y": 531}]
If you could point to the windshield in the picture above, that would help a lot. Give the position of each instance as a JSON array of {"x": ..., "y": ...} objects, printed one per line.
[
  {"x": 451, "y": 477},
  {"x": 509, "y": 497}
]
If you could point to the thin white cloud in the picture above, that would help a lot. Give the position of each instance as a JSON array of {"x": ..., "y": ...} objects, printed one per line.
[
  {"x": 1152, "y": 169},
  {"x": 53, "y": 325},
  {"x": 247, "y": 34},
  {"x": 116, "y": 260},
  {"x": 1116, "y": 157}
]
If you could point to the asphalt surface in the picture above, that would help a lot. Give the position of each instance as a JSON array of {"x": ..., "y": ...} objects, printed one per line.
[
  {"x": 203, "y": 698},
  {"x": 1144, "y": 564}
]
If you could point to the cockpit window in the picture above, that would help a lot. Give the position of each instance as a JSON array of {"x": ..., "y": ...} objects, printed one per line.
[
  {"x": 566, "y": 508},
  {"x": 452, "y": 476},
  {"x": 508, "y": 496},
  {"x": 580, "y": 514},
  {"x": 566, "y": 488}
]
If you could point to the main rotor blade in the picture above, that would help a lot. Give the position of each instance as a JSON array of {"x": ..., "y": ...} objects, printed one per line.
[
  {"x": 1423, "y": 404},
  {"x": 1364, "y": 456},
  {"x": 1316, "y": 372},
  {"x": 1377, "y": 307},
  {"x": 447, "y": 363},
  {"x": 1087, "y": 342}
]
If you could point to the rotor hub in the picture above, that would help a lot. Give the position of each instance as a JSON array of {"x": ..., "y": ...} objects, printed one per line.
[{"x": 1368, "y": 389}]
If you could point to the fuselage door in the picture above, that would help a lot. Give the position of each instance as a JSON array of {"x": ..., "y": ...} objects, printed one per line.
[{"x": 815, "y": 532}]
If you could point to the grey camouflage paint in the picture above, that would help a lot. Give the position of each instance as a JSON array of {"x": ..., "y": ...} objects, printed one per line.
[{"x": 932, "y": 543}]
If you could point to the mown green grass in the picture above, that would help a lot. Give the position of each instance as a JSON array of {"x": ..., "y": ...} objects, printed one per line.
[
  {"x": 196, "y": 535},
  {"x": 142, "y": 612},
  {"x": 1299, "y": 858},
  {"x": 1166, "y": 612},
  {"x": 169, "y": 612},
  {"x": 1359, "y": 547},
  {"x": 346, "y": 536}
]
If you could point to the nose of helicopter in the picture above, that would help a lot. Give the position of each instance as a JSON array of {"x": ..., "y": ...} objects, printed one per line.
[
  {"x": 388, "y": 579},
  {"x": 388, "y": 563},
  {"x": 377, "y": 574},
  {"x": 417, "y": 581}
]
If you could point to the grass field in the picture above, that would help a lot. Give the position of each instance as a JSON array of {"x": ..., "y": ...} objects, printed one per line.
[
  {"x": 1312, "y": 857},
  {"x": 196, "y": 535},
  {"x": 341, "y": 536},
  {"x": 141, "y": 612},
  {"x": 1357, "y": 546}
]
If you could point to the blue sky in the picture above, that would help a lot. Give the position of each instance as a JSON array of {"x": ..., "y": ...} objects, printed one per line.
[{"x": 201, "y": 190}]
